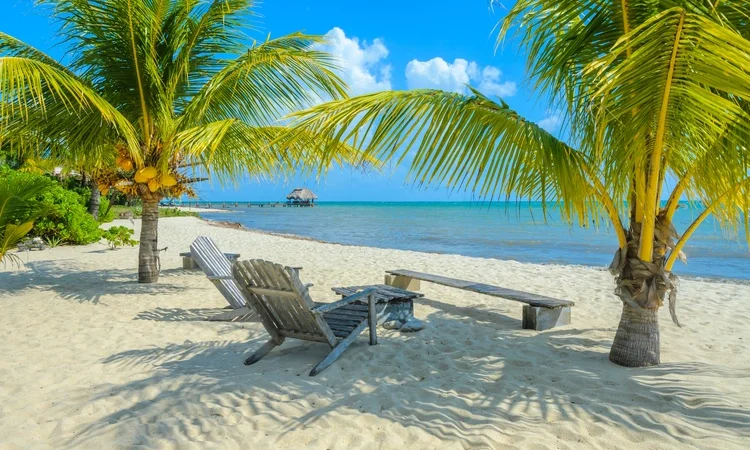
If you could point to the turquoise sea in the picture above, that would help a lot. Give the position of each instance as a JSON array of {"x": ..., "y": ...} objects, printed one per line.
[{"x": 501, "y": 230}]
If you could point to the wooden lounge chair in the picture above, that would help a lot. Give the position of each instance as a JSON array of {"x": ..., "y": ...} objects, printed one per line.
[
  {"x": 287, "y": 311},
  {"x": 218, "y": 269}
]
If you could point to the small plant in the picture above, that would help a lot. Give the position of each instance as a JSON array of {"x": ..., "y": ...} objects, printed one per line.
[
  {"x": 119, "y": 236},
  {"x": 53, "y": 241}
]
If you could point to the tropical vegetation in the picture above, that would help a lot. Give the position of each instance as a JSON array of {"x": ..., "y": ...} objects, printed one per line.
[
  {"x": 156, "y": 94},
  {"x": 654, "y": 96},
  {"x": 18, "y": 209},
  {"x": 65, "y": 219}
]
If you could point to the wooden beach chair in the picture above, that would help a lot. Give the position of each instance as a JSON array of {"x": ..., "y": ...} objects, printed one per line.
[
  {"x": 218, "y": 269},
  {"x": 287, "y": 311}
]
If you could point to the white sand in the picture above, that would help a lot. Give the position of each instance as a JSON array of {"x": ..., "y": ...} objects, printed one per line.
[{"x": 91, "y": 359}]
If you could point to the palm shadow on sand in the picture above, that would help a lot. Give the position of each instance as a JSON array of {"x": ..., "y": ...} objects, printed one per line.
[
  {"x": 530, "y": 380},
  {"x": 70, "y": 281}
]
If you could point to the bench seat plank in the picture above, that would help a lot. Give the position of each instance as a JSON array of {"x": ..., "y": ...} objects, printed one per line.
[{"x": 486, "y": 289}]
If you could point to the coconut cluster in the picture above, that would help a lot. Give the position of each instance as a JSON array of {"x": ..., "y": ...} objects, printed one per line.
[{"x": 122, "y": 180}]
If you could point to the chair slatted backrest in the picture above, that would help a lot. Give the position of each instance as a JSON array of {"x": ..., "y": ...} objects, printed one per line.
[
  {"x": 214, "y": 264},
  {"x": 281, "y": 300}
]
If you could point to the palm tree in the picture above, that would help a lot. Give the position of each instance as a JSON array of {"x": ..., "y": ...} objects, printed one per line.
[
  {"x": 655, "y": 95},
  {"x": 168, "y": 90}
]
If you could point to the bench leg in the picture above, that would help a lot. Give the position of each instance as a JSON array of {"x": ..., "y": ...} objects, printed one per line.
[
  {"x": 189, "y": 263},
  {"x": 402, "y": 282},
  {"x": 539, "y": 319}
]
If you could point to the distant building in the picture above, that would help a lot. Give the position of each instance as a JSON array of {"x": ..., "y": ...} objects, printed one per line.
[{"x": 301, "y": 197}]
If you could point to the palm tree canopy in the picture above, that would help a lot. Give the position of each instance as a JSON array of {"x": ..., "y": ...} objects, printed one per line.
[
  {"x": 642, "y": 84},
  {"x": 174, "y": 83}
]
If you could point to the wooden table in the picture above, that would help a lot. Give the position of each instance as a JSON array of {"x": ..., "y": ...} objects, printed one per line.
[{"x": 391, "y": 301}]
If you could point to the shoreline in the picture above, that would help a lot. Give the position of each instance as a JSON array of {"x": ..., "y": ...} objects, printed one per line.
[{"x": 239, "y": 226}]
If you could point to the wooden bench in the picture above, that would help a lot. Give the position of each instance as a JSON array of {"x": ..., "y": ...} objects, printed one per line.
[
  {"x": 539, "y": 312},
  {"x": 189, "y": 263}
]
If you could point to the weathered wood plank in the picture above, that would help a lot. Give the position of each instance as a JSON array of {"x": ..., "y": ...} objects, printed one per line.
[
  {"x": 341, "y": 329},
  {"x": 486, "y": 289},
  {"x": 243, "y": 275},
  {"x": 337, "y": 324},
  {"x": 272, "y": 292},
  {"x": 356, "y": 315},
  {"x": 383, "y": 293},
  {"x": 306, "y": 304},
  {"x": 342, "y": 334},
  {"x": 304, "y": 336}
]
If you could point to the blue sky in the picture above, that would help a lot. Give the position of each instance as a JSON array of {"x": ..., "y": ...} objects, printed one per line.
[{"x": 386, "y": 44}]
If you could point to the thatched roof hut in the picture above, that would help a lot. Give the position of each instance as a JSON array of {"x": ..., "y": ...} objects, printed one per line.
[{"x": 302, "y": 196}]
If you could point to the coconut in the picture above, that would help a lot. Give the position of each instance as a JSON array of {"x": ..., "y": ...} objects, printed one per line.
[
  {"x": 168, "y": 180},
  {"x": 149, "y": 172},
  {"x": 153, "y": 185},
  {"x": 139, "y": 177},
  {"x": 126, "y": 164}
]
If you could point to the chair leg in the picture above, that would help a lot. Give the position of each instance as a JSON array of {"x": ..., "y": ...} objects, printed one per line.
[
  {"x": 338, "y": 349},
  {"x": 261, "y": 352},
  {"x": 372, "y": 319}
]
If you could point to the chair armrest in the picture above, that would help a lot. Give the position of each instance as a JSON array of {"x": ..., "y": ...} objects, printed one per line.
[{"x": 320, "y": 309}]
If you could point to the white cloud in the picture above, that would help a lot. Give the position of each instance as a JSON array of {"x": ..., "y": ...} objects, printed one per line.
[
  {"x": 439, "y": 74},
  {"x": 550, "y": 122},
  {"x": 490, "y": 83},
  {"x": 362, "y": 64}
]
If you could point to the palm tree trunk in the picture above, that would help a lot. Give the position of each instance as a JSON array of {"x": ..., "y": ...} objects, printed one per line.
[
  {"x": 636, "y": 343},
  {"x": 148, "y": 254},
  {"x": 94, "y": 201}
]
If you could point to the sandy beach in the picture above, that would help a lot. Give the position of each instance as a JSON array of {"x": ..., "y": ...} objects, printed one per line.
[{"x": 92, "y": 359}]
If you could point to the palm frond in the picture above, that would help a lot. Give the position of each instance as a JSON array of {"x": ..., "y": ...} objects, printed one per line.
[
  {"x": 461, "y": 142},
  {"x": 35, "y": 94},
  {"x": 273, "y": 78}
]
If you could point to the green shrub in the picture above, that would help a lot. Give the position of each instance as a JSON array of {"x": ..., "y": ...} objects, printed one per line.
[
  {"x": 67, "y": 218},
  {"x": 70, "y": 221},
  {"x": 119, "y": 236}
]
